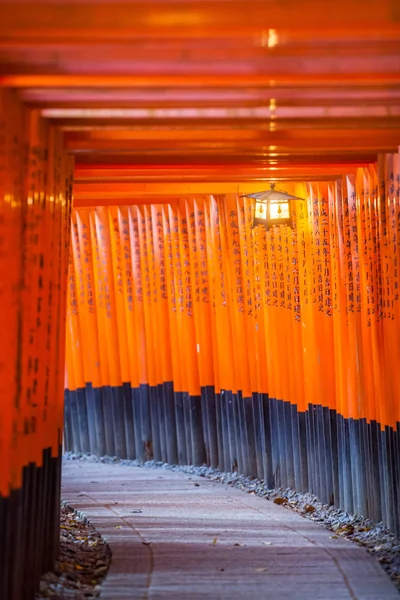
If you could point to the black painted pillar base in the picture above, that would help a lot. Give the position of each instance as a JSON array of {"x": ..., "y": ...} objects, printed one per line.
[{"x": 30, "y": 529}]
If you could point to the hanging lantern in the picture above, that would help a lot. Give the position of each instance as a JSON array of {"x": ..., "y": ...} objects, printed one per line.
[{"x": 272, "y": 208}]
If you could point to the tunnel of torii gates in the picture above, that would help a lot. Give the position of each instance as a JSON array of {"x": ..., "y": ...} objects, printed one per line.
[{"x": 142, "y": 315}]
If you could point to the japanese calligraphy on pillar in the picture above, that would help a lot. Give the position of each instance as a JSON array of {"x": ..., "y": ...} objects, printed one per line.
[{"x": 136, "y": 255}]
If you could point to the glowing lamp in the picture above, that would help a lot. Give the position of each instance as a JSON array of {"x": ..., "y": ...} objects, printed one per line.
[{"x": 272, "y": 208}]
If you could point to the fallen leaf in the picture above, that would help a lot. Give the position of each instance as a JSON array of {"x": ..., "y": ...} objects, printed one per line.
[
  {"x": 267, "y": 543},
  {"x": 118, "y": 527},
  {"x": 237, "y": 544},
  {"x": 309, "y": 509},
  {"x": 280, "y": 501},
  {"x": 262, "y": 570},
  {"x": 346, "y": 529},
  {"x": 214, "y": 541}
]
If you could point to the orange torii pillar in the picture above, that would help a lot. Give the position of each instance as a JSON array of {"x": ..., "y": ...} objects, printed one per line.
[{"x": 35, "y": 201}]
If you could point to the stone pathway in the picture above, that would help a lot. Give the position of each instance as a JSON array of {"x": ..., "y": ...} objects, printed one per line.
[{"x": 176, "y": 536}]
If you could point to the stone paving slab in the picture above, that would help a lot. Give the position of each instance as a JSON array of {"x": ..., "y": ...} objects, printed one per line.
[{"x": 177, "y": 536}]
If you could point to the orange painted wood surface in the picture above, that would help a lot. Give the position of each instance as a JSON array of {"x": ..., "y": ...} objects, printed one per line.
[{"x": 307, "y": 315}]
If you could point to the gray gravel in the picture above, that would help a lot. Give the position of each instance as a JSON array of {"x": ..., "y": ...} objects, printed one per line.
[
  {"x": 83, "y": 562},
  {"x": 375, "y": 537}
]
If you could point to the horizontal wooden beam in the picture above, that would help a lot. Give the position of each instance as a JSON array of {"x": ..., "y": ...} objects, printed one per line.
[
  {"x": 233, "y": 174},
  {"x": 199, "y": 17},
  {"x": 89, "y": 195},
  {"x": 214, "y": 141},
  {"x": 95, "y": 166},
  {"x": 79, "y": 128},
  {"x": 232, "y": 81},
  {"x": 184, "y": 63},
  {"x": 181, "y": 50},
  {"x": 95, "y": 169},
  {"x": 206, "y": 97}
]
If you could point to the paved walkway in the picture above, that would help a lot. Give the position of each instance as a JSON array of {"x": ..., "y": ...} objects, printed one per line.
[{"x": 176, "y": 536}]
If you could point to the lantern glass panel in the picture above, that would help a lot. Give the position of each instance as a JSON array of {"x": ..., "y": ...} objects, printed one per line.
[
  {"x": 261, "y": 210},
  {"x": 279, "y": 211}
]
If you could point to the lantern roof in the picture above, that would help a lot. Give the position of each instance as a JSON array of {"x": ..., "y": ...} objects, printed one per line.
[{"x": 272, "y": 194}]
